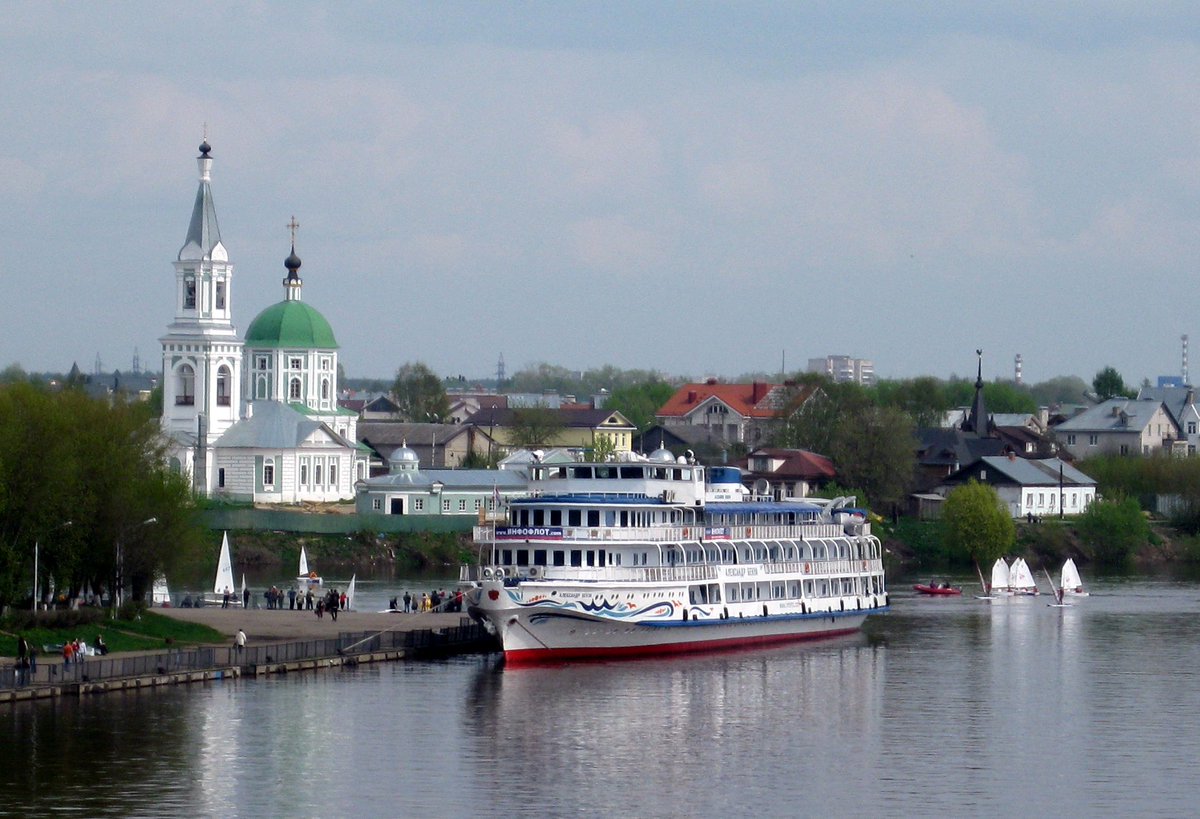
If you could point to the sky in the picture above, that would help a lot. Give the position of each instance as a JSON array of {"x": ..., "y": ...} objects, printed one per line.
[{"x": 697, "y": 188}]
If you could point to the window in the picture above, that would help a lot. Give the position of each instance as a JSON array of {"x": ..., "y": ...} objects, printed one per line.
[
  {"x": 220, "y": 297},
  {"x": 223, "y": 386},
  {"x": 983, "y": 474},
  {"x": 262, "y": 362},
  {"x": 445, "y": 504},
  {"x": 1191, "y": 427},
  {"x": 1070, "y": 440},
  {"x": 189, "y": 294},
  {"x": 324, "y": 389},
  {"x": 296, "y": 363},
  {"x": 268, "y": 473},
  {"x": 185, "y": 387},
  {"x": 303, "y": 474},
  {"x": 478, "y": 504},
  {"x": 294, "y": 389},
  {"x": 221, "y": 478},
  {"x": 1029, "y": 499},
  {"x": 377, "y": 503},
  {"x": 333, "y": 473},
  {"x": 262, "y": 387},
  {"x": 462, "y": 505},
  {"x": 1093, "y": 440},
  {"x": 317, "y": 470},
  {"x": 418, "y": 504}
]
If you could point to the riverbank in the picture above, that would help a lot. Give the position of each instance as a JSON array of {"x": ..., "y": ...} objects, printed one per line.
[{"x": 279, "y": 625}]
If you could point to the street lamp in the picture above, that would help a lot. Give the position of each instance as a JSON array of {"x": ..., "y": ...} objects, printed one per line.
[
  {"x": 434, "y": 419},
  {"x": 119, "y": 584},
  {"x": 62, "y": 525}
]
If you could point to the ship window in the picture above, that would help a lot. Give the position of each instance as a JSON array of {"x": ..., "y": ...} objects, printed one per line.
[
  {"x": 556, "y": 517},
  {"x": 560, "y": 558},
  {"x": 506, "y": 556},
  {"x": 574, "y": 517},
  {"x": 631, "y": 472},
  {"x": 539, "y": 557},
  {"x": 576, "y": 557},
  {"x": 581, "y": 472},
  {"x": 602, "y": 554},
  {"x": 593, "y": 517},
  {"x": 522, "y": 557},
  {"x": 591, "y": 558},
  {"x": 624, "y": 517},
  {"x": 539, "y": 517}
]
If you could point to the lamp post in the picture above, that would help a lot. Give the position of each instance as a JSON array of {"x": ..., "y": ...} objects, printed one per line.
[
  {"x": 62, "y": 525},
  {"x": 434, "y": 420},
  {"x": 119, "y": 584}
]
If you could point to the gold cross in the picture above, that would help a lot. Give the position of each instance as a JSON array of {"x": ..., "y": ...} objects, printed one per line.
[{"x": 293, "y": 225}]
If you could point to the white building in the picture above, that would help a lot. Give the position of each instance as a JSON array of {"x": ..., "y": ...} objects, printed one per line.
[
  {"x": 255, "y": 420},
  {"x": 843, "y": 368}
]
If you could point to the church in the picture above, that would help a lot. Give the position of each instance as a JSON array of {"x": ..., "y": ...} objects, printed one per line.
[{"x": 253, "y": 419}]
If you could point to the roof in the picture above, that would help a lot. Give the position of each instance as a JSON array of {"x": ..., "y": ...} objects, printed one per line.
[
  {"x": 203, "y": 236},
  {"x": 796, "y": 463},
  {"x": 755, "y": 400},
  {"x": 1031, "y": 472},
  {"x": 275, "y": 426},
  {"x": 451, "y": 479},
  {"x": 1177, "y": 400},
  {"x": 1113, "y": 415},
  {"x": 396, "y": 433},
  {"x": 291, "y": 324},
  {"x": 941, "y": 446},
  {"x": 576, "y": 418}
]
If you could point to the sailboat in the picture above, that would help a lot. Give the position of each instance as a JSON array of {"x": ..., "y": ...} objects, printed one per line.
[
  {"x": 1058, "y": 603},
  {"x": 1069, "y": 580},
  {"x": 1000, "y": 579},
  {"x": 1020, "y": 578},
  {"x": 223, "y": 583},
  {"x": 160, "y": 595},
  {"x": 306, "y": 579},
  {"x": 350, "y": 592},
  {"x": 987, "y": 595}
]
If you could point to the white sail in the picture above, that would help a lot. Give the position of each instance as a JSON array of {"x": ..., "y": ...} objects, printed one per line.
[
  {"x": 999, "y": 576},
  {"x": 1070, "y": 581},
  {"x": 160, "y": 595},
  {"x": 350, "y": 592},
  {"x": 303, "y": 563},
  {"x": 224, "y": 580},
  {"x": 1020, "y": 577}
]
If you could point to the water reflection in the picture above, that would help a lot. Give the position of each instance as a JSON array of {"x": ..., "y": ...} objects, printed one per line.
[{"x": 958, "y": 707}]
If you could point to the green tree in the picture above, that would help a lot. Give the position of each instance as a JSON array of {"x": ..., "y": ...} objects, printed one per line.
[
  {"x": 640, "y": 402},
  {"x": 1109, "y": 384},
  {"x": 1113, "y": 530},
  {"x": 534, "y": 427},
  {"x": 924, "y": 399},
  {"x": 1065, "y": 389},
  {"x": 975, "y": 524},
  {"x": 420, "y": 394}
]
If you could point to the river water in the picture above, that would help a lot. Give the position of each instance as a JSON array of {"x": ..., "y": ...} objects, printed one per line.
[{"x": 946, "y": 707}]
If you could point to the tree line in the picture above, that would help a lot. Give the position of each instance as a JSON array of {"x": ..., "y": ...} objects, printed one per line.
[{"x": 85, "y": 482}]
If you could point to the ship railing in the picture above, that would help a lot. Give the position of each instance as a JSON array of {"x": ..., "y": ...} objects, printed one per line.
[{"x": 680, "y": 534}]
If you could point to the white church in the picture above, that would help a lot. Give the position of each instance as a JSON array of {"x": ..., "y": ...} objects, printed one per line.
[{"x": 254, "y": 419}]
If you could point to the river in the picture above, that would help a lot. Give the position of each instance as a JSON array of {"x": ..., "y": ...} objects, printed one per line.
[{"x": 947, "y": 707}]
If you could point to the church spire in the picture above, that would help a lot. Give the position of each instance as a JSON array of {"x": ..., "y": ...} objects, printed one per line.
[
  {"x": 292, "y": 284},
  {"x": 203, "y": 236},
  {"x": 977, "y": 420}
]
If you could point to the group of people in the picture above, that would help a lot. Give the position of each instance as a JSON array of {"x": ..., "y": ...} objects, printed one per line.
[
  {"x": 330, "y": 602},
  {"x": 428, "y": 601}
]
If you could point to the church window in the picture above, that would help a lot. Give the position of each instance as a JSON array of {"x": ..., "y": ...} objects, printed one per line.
[
  {"x": 294, "y": 389},
  {"x": 333, "y": 473},
  {"x": 268, "y": 473},
  {"x": 324, "y": 389},
  {"x": 220, "y": 297},
  {"x": 223, "y": 386},
  {"x": 296, "y": 363},
  {"x": 185, "y": 390},
  {"x": 189, "y": 294},
  {"x": 304, "y": 473},
  {"x": 261, "y": 387},
  {"x": 317, "y": 475},
  {"x": 263, "y": 362}
]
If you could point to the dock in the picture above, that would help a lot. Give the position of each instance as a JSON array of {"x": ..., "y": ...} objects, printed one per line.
[{"x": 279, "y": 641}]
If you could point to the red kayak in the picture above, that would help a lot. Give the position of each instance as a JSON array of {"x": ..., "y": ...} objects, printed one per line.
[{"x": 936, "y": 588}]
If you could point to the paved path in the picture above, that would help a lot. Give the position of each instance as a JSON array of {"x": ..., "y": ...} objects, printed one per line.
[{"x": 279, "y": 625}]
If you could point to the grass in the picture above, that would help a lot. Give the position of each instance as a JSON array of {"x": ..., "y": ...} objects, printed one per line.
[{"x": 152, "y": 631}]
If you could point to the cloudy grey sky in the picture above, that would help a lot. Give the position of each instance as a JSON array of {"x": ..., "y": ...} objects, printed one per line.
[{"x": 700, "y": 188}]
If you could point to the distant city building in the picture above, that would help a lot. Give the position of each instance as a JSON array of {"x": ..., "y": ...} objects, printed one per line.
[
  {"x": 409, "y": 490},
  {"x": 731, "y": 413},
  {"x": 843, "y": 368}
]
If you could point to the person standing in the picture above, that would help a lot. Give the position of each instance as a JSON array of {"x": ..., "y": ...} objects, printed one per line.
[
  {"x": 292, "y": 599},
  {"x": 22, "y": 660},
  {"x": 407, "y": 602},
  {"x": 245, "y": 596},
  {"x": 239, "y": 642}
]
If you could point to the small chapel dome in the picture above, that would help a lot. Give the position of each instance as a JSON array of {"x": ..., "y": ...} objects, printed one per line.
[{"x": 662, "y": 455}]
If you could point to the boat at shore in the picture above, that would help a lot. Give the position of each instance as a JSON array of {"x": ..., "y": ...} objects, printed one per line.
[{"x": 657, "y": 555}]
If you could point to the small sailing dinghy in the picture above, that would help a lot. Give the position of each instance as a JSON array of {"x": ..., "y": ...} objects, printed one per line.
[
  {"x": 1058, "y": 593},
  {"x": 1000, "y": 586},
  {"x": 160, "y": 595},
  {"x": 223, "y": 591},
  {"x": 1020, "y": 578},
  {"x": 306, "y": 579},
  {"x": 1069, "y": 580}
]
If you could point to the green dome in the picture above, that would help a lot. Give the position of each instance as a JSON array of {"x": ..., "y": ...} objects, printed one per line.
[{"x": 291, "y": 324}]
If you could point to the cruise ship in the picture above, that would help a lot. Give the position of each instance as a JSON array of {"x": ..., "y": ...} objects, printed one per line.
[{"x": 657, "y": 555}]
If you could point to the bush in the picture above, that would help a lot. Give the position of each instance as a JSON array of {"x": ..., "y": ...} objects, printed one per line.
[{"x": 1112, "y": 530}]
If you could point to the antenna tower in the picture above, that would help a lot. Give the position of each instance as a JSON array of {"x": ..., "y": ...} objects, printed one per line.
[
  {"x": 1184, "y": 339},
  {"x": 1017, "y": 369},
  {"x": 499, "y": 372}
]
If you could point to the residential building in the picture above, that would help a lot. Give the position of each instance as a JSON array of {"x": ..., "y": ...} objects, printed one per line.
[
  {"x": 1121, "y": 426},
  {"x": 1029, "y": 487},
  {"x": 1180, "y": 402},
  {"x": 785, "y": 473},
  {"x": 437, "y": 445},
  {"x": 842, "y": 369},
  {"x": 579, "y": 429},
  {"x": 409, "y": 490},
  {"x": 746, "y": 414}
]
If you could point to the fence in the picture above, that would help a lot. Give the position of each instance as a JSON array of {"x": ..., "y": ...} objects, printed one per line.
[{"x": 465, "y": 637}]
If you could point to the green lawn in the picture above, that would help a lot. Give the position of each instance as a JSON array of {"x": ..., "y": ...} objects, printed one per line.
[{"x": 150, "y": 632}]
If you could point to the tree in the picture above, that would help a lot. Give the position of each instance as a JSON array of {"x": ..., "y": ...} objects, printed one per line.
[
  {"x": 420, "y": 394},
  {"x": 640, "y": 402},
  {"x": 1113, "y": 529},
  {"x": 534, "y": 427},
  {"x": 1065, "y": 389},
  {"x": 1109, "y": 384},
  {"x": 976, "y": 525}
]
